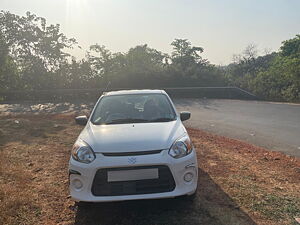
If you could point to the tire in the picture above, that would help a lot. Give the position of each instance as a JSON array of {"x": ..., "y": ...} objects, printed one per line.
[
  {"x": 84, "y": 204},
  {"x": 191, "y": 197}
]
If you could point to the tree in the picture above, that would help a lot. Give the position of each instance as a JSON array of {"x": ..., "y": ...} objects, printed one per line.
[
  {"x": 32, "y": 56},
  {"x": 8, "y": 69},
  {"x": 250, "y": 52},
  {"x": 291, "y": 47},
  {"x": 188, "y": 68},
  {"x": 274, "y": 76},
  {"x": 100, "y": 59},
  {"x": 143, "y": 67},
  {"x": 37, "y": 49},
  {"x": 281, "y": 81},
  {"x": 185, "y": 54},
  {"x": 105, "y": 65},
  {"x": 246, "y": 66}
]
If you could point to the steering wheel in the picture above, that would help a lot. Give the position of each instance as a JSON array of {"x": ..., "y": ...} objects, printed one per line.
[{"x": 115, "y": 116}]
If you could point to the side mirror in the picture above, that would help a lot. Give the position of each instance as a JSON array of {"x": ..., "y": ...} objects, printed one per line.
[
  {"x": 81, "y": 120},
  {"x": 185, "y": 116}
]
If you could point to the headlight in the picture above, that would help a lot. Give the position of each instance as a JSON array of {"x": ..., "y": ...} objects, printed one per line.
[
  {"x": 181, "y": 147},
  {"x": 82, "y": 152}
]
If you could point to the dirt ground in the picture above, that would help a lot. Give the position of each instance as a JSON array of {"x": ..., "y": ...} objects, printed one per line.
[{"x": 238, "y": 183}]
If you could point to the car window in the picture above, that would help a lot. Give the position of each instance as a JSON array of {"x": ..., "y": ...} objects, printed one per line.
[{"x": 133, "y": 108}]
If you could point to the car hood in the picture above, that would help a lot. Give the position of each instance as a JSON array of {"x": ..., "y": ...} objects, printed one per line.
[{"x": 132, "y": 137}]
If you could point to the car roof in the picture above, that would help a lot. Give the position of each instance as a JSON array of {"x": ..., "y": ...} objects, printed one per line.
[{"x": 129, "y": 92}]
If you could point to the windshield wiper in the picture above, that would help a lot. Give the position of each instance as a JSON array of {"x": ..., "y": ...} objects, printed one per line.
[
  {"x": 162, "y": 119},
  {"x": 135, "y": 120},
  {"x": 127, "y": 120}
]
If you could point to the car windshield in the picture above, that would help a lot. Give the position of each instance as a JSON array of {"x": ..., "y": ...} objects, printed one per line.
[{"x": 133, "y": 108}]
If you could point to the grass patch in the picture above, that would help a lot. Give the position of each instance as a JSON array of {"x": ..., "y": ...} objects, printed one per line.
[{"x": 277, "y": 207}]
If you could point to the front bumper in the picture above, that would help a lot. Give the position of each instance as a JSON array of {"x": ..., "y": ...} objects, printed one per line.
[{"x": 86, "y": 173}]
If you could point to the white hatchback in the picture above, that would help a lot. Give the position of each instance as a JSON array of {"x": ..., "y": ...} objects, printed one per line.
[{"x": 133, "y": 146}]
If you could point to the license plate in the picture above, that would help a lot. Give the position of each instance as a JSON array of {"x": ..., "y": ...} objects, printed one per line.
[{"x": 127, "y": 175}]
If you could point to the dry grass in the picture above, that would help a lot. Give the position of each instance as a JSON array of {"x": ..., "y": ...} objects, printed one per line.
[
  {"x": 239, "y": 183},
  {"x": 33, "y": 170},
  {"x": 265, "y": 184}
]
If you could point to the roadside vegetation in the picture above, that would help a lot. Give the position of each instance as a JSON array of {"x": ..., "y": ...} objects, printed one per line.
[
  {"x": 238, "y": 182},
  {"x": 34, "y": 56}
]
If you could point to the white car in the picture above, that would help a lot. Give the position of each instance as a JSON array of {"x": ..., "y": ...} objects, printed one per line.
[{"x": 133, "y": 146}]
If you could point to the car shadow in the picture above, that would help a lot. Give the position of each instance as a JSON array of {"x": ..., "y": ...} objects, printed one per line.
[{"x": 211, "y": 206}]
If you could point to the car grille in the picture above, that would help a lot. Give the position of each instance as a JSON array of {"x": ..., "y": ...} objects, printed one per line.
[
  {"x": 164, "y": 183},
  {"x": 131, "y": 153}
]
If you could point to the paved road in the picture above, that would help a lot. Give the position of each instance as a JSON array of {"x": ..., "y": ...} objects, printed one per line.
[{"x": 272, "y": 125}]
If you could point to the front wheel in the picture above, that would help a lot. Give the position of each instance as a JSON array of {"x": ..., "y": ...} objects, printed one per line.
[
  {"x": 191, "y": 197},
  {"x": 84, "y": 204}
]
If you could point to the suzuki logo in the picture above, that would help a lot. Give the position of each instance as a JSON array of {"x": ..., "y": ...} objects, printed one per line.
[{"x": 132, "y": 160}]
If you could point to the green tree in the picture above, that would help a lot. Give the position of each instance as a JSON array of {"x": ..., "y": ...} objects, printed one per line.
[
  {"x": 188, "y": 68},
  {"x": 291, "y": 47},
  {"x": 8, "y": 69},
  {"x": 37, "y": 49},
  {"x": 281, "y": 81},
  {"x": 274, "y": 76},
  {"x": 185, "y": 54},
  {"x": 246, "y": 66},
  {"x": 142, "y": 67}
]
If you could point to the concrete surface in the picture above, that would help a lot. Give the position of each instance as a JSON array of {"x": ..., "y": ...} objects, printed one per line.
[{"x": 275, "y": 126}]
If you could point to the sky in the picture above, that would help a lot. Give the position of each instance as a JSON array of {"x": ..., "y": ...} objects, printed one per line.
[{"x": 221, "y": 27}]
